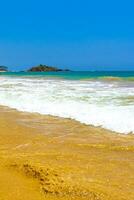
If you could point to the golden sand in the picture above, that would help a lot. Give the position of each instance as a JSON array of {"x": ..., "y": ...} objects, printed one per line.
[{"x": 48, "y": 158}]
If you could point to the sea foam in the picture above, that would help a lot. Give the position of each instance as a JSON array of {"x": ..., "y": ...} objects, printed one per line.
[{"x": 99, "y": 103}]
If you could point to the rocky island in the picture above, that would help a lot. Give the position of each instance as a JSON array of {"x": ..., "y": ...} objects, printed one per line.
[
  {"x": 45, "y": 68},
  {"x": 3, "y": 69}
]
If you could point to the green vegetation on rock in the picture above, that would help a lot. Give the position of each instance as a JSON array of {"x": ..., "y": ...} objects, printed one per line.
[{"x": 45, "y": 68}]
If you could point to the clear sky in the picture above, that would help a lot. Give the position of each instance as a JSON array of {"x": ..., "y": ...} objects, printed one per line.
[{"x": 76, "y": 34}]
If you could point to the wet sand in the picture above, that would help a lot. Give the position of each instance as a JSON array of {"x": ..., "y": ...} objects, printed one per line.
[{"x": 43, "y": 157}]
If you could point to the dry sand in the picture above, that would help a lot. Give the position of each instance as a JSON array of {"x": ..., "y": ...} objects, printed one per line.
[{"x": 48, "y": 158}]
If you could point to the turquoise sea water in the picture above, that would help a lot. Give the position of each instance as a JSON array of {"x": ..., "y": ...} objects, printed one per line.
[{"x": 76, "y": 75}]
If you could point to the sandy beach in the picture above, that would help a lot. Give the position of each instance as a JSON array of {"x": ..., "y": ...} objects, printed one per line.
[{"x": 44, "y": 157}]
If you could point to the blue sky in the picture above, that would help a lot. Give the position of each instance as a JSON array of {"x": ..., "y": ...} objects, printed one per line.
[{"x": 80, "y": 35}]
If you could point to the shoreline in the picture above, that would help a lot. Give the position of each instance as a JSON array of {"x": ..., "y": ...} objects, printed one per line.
[
  {"x": 103, "y": 129},
  {"x": 9, "y": 109},
  {"x": 44, "y": 157}
]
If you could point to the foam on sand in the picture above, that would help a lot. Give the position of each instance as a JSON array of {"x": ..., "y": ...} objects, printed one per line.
[{"x": 99, "y": 103}]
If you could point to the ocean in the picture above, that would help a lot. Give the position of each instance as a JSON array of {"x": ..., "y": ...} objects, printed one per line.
[{"x": 104, "y": 99}]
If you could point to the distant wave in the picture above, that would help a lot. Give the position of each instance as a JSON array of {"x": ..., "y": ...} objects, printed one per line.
[
  {"x": 109, "y": 78},
  {"x": 116, "y": 78}
]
